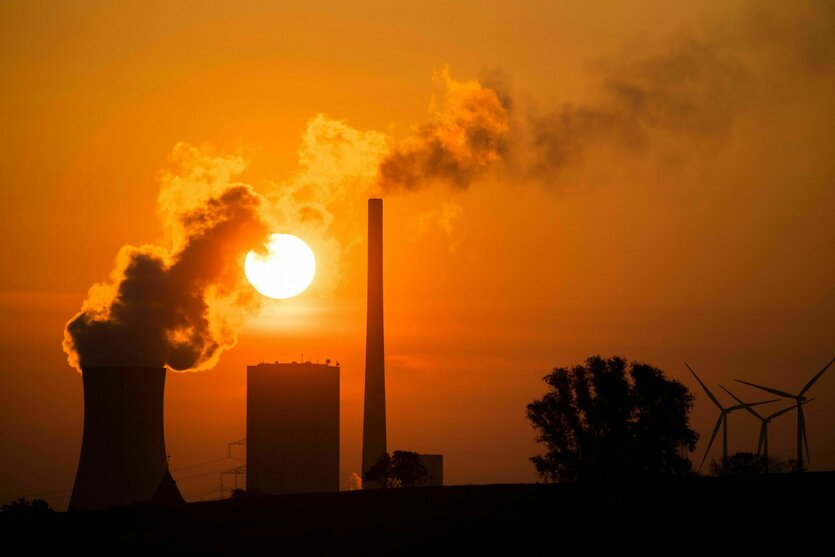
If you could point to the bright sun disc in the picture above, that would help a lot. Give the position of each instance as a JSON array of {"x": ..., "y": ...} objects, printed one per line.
[{"x": 284, "y": 271}]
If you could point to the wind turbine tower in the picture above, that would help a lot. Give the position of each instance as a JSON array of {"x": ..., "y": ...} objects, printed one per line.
[
  {"x": 722, "y": 420},
  {"x": 799, "y": 400},
  {"x": 762, "y": 442}
]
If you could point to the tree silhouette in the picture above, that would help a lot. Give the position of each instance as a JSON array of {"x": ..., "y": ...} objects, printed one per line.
[
  {"x": 401, "y": 469},
  {"x": 749, "y": 464},
  {"x": 608, "y": 420},
  {"x": 239, "y": 493},
  {"x": 379, "y": 471},
  {"x": 23, "y": 509}
]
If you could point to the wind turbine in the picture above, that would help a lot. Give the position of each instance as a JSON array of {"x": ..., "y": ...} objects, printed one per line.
[
  {"x": 799, "y": 399},
  {"x": 723, "y": 418},
  {"x": 762, "y": 443}
]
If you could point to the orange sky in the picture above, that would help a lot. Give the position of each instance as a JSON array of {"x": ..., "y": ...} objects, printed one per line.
[{"x": 708, "y": 239}]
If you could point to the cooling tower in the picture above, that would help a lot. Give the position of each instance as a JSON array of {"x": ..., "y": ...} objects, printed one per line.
[
  {"x": 374, "y": 411},
  {"x": 292, "y": 428},
  {"x": 123, "y": 456}
]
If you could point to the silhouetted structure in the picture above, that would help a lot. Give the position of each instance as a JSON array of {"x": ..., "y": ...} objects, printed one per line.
[
  {"x": 374, "y": 411},
  {"x": 167, "y": 493},
  {"x": 401, "y": 469},
  {"x": 292, "y": 428},
  {"x": 434, "y": 464},
  {"x": 762, "y": 441},
  {"x": 123, "y": 457},
  {"x": 799, "y": 400},
  {"x": 722, "y": 420}
]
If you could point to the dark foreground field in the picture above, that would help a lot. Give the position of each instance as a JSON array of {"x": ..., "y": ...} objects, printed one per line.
[{"x": 781, "y": 514}]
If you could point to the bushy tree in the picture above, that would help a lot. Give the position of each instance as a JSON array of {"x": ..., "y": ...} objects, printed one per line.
[
  {"x": 744, "y": 464},
  {"x": 606, "y": 419},
  {"x": 23, "y": 508},
  {"x": 401, "y": 469}
]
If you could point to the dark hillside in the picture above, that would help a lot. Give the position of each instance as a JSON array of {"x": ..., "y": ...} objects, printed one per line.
[{"x": 686, "y": 516}]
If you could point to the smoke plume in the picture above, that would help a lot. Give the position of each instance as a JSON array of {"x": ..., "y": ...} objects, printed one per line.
[
  {"x": 176, "y": 305},
  {"x": 690, "y": 91},
  {"x": 684, "y": 93},
  {"x": 339, "y": 164},
  {"x": 179, "y": 304},
  {"x": 463, "y": 136}
]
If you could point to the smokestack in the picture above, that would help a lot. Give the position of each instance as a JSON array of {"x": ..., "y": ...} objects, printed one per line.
[
  {"x": 123, "y": 456},
  {"x": 374, "y": 415}
]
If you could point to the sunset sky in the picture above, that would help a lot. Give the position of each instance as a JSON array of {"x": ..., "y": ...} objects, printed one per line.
[{"x": 662, "y": 188}]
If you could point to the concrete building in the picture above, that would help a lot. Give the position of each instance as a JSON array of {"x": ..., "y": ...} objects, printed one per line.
[
  {"x": 374, "y": 408},
  {"x": 292, "y": 428},
  {"x": 434, "y": 464},
  {"x": 123, "y": 457}
]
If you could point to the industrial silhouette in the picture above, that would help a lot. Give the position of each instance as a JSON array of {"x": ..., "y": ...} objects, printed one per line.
[
  {"x": 406, "y": 469},
  {"x": 292, "y": 428},
  {"x": 434, "y": 464},
  {"x": 167, "y": 494},
  {"x": 293, "y": 408},
  {"x": 799, "y": 400},
  {"x": 762, "y": 441},
  {"x": 374, "y": 409},
  {"x": 123, "y": 457},
  {"x": 722, "y": 420}
]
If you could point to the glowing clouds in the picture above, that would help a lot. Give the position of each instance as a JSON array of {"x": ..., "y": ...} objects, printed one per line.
[
  {"x": 286, "y": 269},
  {"x": 181, "y": 302},
  {"x": 464, "y": 135},
  {"x": 177, "y": 306}
]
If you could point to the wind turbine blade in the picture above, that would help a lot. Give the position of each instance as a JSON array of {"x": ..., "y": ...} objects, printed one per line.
[
  {"x": 789, "y": 409},
  {"x": 746, "y": 405},
  {"x": 709, "y": 394},
  {"x": 767, "y": 389},
  {"x": 803, "y": 433},
  {"x": 712, "y": 437},
  {"x": 769, "y": 401},
  {"x": 739, "y": 400},
  {"x": 781, "y": 412},
  {"x": 816, "y": 377}
]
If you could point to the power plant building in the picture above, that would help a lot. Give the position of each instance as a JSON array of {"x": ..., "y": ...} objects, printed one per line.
[
  {"x": 292, "y": 428},
  {"x": 123, "y": 458},
  {"x": 434, "y": 464}
]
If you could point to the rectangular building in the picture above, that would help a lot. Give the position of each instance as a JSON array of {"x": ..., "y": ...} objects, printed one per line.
[
  {"x": 292, "y": 428},
  {"x": 434, "y": 464}
]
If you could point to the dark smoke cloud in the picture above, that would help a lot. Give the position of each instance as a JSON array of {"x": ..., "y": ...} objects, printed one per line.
[
  {"x": 687, "y": 91},
  {"x": 796, "y": 37},
  {"x": 684, "y": 93},
  {"x": 161, "y": 310},
  {"x": 464, "y": 136},
  {"x": 175, "y": 306}
]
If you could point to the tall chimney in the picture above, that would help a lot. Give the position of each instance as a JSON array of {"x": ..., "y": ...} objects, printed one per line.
[
  {"x": 123, "y": 458},
  {"x": 374, "y": 415}
]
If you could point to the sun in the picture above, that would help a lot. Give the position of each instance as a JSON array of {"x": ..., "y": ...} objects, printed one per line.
[{"x": 284, "y": 271}]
